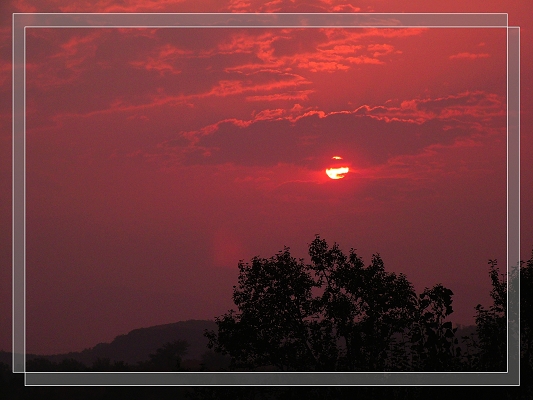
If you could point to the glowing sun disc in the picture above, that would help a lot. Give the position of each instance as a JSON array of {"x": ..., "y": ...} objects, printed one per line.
[{"x": 337, "y": 173}]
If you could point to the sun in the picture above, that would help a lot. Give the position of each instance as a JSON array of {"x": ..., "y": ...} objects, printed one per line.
[{"x": 337, "y": 171}]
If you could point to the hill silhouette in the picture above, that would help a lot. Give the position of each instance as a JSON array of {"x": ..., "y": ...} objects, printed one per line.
[{"x": 138, "y": 344}]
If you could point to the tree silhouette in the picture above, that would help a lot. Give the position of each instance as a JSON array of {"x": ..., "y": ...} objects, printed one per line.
[
  {"x": 167, "y": 358},
  {"x": 271, "y": 329},
  {"x": 105, "y": 365},
  {"x": 333, "y": 315},
  {"x": 492, "y": 325},
  {"x": 363, "y": 308},
  {"x": 432, "y": 339},
  {"x": 526, "y": 324}
]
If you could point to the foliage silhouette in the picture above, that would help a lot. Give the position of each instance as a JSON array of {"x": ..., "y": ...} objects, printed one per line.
[
  {"x": 432, "y": 339},
  {"x": 492, "y": 325},
  {"x": 333, "y": 315},
  {"x": 168, "y": 358},
  {"x": 526, "y": 325},
  {"x": 105, "y": 365},
  {"x": 274, "y": 299}
]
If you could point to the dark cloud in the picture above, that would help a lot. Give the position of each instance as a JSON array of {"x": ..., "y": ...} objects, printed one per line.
[{"x": 372, "y": 136}]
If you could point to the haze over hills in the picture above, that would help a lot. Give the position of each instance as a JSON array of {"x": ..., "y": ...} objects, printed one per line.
[{"x": 138, "y": 344}]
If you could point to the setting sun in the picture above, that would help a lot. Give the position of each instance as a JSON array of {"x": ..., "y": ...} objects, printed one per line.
[{"x": 337, "y": 173}]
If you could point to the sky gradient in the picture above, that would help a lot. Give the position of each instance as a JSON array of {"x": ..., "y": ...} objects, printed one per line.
[{"x": 158, "y": 158}]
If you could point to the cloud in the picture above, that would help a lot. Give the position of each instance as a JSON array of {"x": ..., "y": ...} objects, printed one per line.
[
  {"x": 318, "y": 66},
  {"x": 469, "y": 56},
  {"x": 371, "y": 135},
  {"x": 345, "y": 8},
  {"x": 139, "y": 6},
  {"x": 68, "y": 59},
  {"x": 380, "y": 50},
  {"x": 293, "y": 95},
  {"x": 125, "y": 6},
  {"x": 140, "y": 69},
  {"x": 264, "y": 85},
  {"x": 163, "y": 61},
  {"x": 242, "y": 71},
  {"x": 469, "y": 106},
  {"x": 320, "y": 50},
  {"x": 250, "y": 42},
  {"x": 239, "y": 6}
]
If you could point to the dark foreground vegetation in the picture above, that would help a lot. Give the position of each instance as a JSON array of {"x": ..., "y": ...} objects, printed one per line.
[{"x": 335, "y": 314}]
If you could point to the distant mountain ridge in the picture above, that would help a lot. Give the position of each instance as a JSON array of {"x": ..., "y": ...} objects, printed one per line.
[{"x": 138, "y": 344}]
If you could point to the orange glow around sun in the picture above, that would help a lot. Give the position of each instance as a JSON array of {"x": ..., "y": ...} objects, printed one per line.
[{"x": 337, "y": 172}]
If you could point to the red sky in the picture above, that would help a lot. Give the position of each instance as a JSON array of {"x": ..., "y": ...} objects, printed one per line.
[{"x": 157, "y": 158}]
